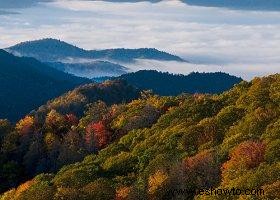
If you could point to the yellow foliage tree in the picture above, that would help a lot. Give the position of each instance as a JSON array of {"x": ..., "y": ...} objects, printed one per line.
[
  {"x": 25, "y": 125},
  {"x": 157, "y": 181}
]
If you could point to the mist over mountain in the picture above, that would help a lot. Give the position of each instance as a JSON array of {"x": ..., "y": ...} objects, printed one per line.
[
  {"x": 87, "y": 63},
  {"x": 91, "y": 69},
  {"x": 27, "y": 83}
]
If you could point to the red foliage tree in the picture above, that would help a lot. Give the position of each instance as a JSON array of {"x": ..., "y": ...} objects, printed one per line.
[{"x": 97, "y": 135}]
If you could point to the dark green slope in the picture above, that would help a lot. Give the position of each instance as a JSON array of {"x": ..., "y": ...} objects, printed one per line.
[
  {"x": 172, "y": 84},
  {"x": 26, "y": 84}
]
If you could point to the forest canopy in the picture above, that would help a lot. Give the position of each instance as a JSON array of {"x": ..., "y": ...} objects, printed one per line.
[{"x": 147, "y": 147}]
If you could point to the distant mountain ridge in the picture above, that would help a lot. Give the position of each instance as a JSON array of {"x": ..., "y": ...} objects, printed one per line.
[
  {"x": 175, "y": 84},
  {"x": 50, "y": 50},
  {"x": 27, "y": 83},
  {"x": 87, "y": 63},
  {"x": 47, "y": 50}
]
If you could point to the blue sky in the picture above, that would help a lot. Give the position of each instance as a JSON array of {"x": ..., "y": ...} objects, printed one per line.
[{"x": 244, "y": 43}]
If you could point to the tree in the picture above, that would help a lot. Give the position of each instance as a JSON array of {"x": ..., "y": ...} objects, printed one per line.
[
  {"x": 157, "y": 184},
  {"x": 121, "y": 164},
  {"x": 32, "y": 159},
  {"x": 5, "y": 128},
  {"x": 202, "y": 170},
  {"x": 55, "y": 122},
  {"x": 271, "y": 191},
  {"x": 246, "y": 155},
  {"x": 97, "y": 135},
  {"x": 94, "y": 112},
  {"x": 122, "y": 193},
  {"x": 101, "y": 189},
  {"x": 71, "y": 149},
  {"x": 25, "y": 125},
  {"x": 53, "y": 147}
]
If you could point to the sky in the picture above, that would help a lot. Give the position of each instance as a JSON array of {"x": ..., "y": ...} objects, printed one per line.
[{"x": 240, "y": 42}]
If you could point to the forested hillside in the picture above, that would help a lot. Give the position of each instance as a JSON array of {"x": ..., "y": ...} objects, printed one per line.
[
  {"x": 151, "y": 147},
  {"x": 51, "y": 137},
  {"x": 175, "y": 84},
  {"x": 26, "y": 84}
]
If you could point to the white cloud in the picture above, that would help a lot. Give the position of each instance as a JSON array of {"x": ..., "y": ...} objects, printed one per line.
[
  {"x": 247, "y": 72},
  {"x": 244, "y": 43}
]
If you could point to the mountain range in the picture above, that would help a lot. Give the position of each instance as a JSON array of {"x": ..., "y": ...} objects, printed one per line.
[
  {"x": 27, "y": 83},
  {"x": 87, "y": 63},
  {"x": 50, "y": 50},
  {"x": 175, "y": 84}
]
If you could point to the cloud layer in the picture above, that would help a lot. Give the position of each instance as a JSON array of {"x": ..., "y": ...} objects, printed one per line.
[
  {"x": 8, "y": 4},
  {"x": 244, "y": 43}
]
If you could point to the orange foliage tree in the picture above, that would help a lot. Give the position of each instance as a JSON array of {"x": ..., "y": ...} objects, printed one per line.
[
  {"x": 247, "y": 155},
  {"x": 123, "y": 193}
]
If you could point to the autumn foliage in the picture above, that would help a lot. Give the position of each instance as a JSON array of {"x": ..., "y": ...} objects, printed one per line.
[
  {"x": 247, "y": 155},
  {"x": 122, "y": 193},
  {"x": 202, "y": 170},
  {"x": 97, "y": 135},
  {"x": 157, "y": 181},
  {"x": 148, "y": 147},
  {"x": 26, "y": 125}
]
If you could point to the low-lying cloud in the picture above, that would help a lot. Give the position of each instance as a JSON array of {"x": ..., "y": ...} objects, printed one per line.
[{"x": 247, "y": 72}]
